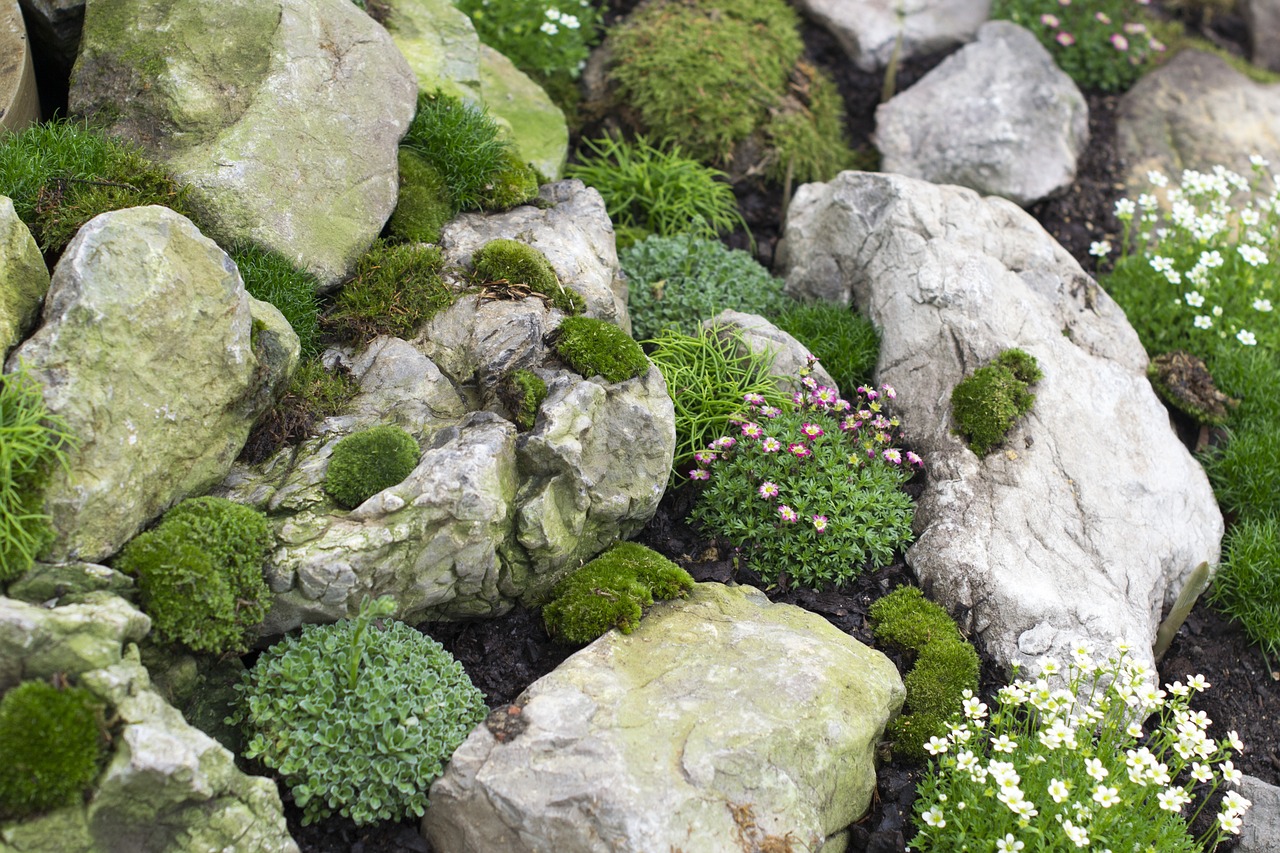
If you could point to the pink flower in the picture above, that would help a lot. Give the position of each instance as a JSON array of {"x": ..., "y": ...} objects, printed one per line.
[
  {"x": 799, "y": 451},
  {"x": 699, "y": 474},
  {"x": 893, "y": 456},
  {"x": 770, "y": 411},
  {"x": 752, "y": 430},
  {"x": 864, "y": 414},
  {"x": 1064, "y": 2},
  {"x": 810, "y": 383},
  {"x": 753, "y": 399},
  {"x": 1102, "y": 17},
  {"x": 768, "y": 490},
  {"x": 841, "y": 405},
  {"x": 1156, "y": 45},
  {"x": 1119, "y": 42},
  {"x": 798, "y": 398},
  {"x": 723, "y": 443},
  {"x": 913, "y": 459},
  {"x": 1049, "y": 21},
  {"x": 820, "y": 523},
  {"x": 1065, "y": 39},
  {"x": 824, "y": 396},
  {"x": 788, "y": 514},
  {"x": 771, "y": 445},
  {"x": 850, "y": 425},
  {"x": 1135, "y": 29},
  {"x": 812, "y": 431},
  {"x": 889, "y": 392},
  {"x": 702, "y": 458},
  {"x": 880, "y": 422}
]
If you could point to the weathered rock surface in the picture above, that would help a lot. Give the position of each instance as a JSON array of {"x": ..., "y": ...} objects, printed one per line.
[
  {"x": 719, "y": 713},
  {"x": 1262, "y": 17},
  {"x": 760, "y": 335},
  {"x": 1195, "y": 112},
  {"x": 66, "y": 583},
  {"x": 147, "y": 348},
  {"x": 868, "y": 29},
  {"x": 24, "y": 279},
  {"x": 1261, "y": 830},
  {"x": 1088, "y": 522},
  {"x": 533, "y": 121},
  {"x": 19, "y": 100},
  {"x": 36, "y": 642},
  {"x": 997, "y": 116},
  {"x": 54, "y": 27},
  {"x": 223, "y": 93}
]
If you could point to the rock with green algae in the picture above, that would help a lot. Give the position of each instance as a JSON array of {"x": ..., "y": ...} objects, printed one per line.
[
  {"x": 67, "y": 583},
  {"x": 535, "y": 124},
  {"x": 717, "y": 707},
  {"x": 24, "y": 279},
  {"x": 36, "y": 642}
]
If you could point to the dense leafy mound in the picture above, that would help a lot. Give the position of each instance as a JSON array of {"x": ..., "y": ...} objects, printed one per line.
[
  {"x": 596, "y": 348},
  {"x": 52, "y": 743},
  {"x": 365, "y": 463},
  {"x": 846, "y": 343}
]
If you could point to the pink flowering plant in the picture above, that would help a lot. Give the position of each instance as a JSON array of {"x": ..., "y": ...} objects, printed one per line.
[
  {"x": 1105, "y": 762},
  {"x": 813, "y": 490},
  {"x": 1103, "y": 45}
]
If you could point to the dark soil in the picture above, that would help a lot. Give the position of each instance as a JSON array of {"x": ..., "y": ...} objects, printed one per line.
[{"x": 503, "y": 656}]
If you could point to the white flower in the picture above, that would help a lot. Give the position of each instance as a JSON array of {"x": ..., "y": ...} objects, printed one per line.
[
  {"x": 934, "y": 817},
  {"x": 1147, "y": 202},
  {"x": 1106, "y": 797},
  {"x": 1230, "y": 823},
  {"x": 1008, "y": 844},
  {"x": 1094, "y": 768},
  {"x": 569, "y": 21},
  {"x": 1172, "y": 799},
  {"x": 1058, "y": 790},
  {"x": 1203, "y": 322},
  {"x": 1235, "y": 804},
  {"x": 1230, "y": 773},
  {"x": 1201, "y": 772},
  {"x": 1250, "y": 217},
  {"x": 549, "y": 28},
  {"x": 1194, "y": 299},
  {"x": 937, "y": 745},
  {"x": 1253, "y": 256},
  {"x": 1211, "y": 259},
  {"x": 1124, "y": 209},
  {"x": 1234, "y": 739},
  {"x": 1197, "y": 683},
  {"x": 1100, "y": 248},
  {"x": 1217, "y": 311},
  {"x": 1259, "y": 161},
  {"x": 1157, "y": 179},
  {"x": 1077, "y": 834},
  {"x": 553, "y": 14},
  {"x": 1262, "y": 305},
  {"x": 1161, "y": 264},
  {"x": 966, "y": 760},
  {"x": 1177, "y": 688},
  {"x": 1003, "y": 744},
  {"x": 974, "y": 708},
  {"x": 1134, "y": 730}
]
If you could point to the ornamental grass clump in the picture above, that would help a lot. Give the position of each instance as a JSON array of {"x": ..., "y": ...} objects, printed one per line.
[
  {"x": 273, "y": 278},
  {"x": 813, "y": 491},
  {"x": 1247, "y": 584},
  {"x": 359, "y": 717},
  {"x": 52, "y": 741},
  {"x": 845, "y": 342},
  {"x": 1074, "y": 767},
  {"x": 986, "y": 403},
  {"x": 366, "y": 462}
]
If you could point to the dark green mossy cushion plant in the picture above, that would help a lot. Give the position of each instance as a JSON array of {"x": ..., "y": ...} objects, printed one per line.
[
  {"x": 519, "y": 264},
  {"x": 200, "y": 574},
  {"x": 396, "y": 289},
  {"x": 596, "y": 348},
  {"x": 522, "y": 392},
  {"x": 986, "y": 403},
  {"x": 946, "y": 666},
  {"x": 612, "y": 591},
  {"x": 365, "y": 463},
  {"x": 1247, "y": 585},
  {"x": 424, "y": 205},
  {"x": 52, "y": 743},
  {"x": 273, "y": 278}
]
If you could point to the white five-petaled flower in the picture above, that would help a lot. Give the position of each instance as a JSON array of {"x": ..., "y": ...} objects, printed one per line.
[
  {"x": 1262, "y": 305},
  {"x": 1230, "y": 773},
  {"x": 1203, "y": 322},
  {"x": 1157, "y": 179},
  {"x": 1234, "y": 739},
  {"x": 1058, "y": 790},
  {"x": 1003, "y": 744},
  {"x": 1252, "y": 255},
  {"x": 1230, "y": 823},
  {"x": 937, "y": 745},
  {"x": 1094, "y": 768},
  {"x": 1124, "y": 209},
  {"x": 1246, "y": 337},
  {"x": 1195, "y": 299},
  {"x": 1078, "y": 835},
  {"x": 1172, "y": 799},
  {"x": 934, "y": 817},
  {"x": 1100, "y": 248},
  {"x": 1008, "y": 844},
  {"x": 1106, "y": 797}
]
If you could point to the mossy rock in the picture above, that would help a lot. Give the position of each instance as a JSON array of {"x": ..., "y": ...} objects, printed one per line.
[
  {"x": 397, "y": 288},
  {"x": 424, "y": 206},
  {"x": 365, "y": 463},
  {"x": 522, "y": 392},
  {"x": 612, "y": 591},
  {"x": 520, "y": 265},
  {"x": 52, "y": 742},
  {"x": 986, "y": 404},
  {"x": 596, "y": 348}
]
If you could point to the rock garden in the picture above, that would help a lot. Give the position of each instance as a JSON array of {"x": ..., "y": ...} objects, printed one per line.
[{"x": 676, "y": 425}]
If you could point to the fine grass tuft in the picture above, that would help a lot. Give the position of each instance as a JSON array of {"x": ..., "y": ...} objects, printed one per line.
[
  {"x": 395, "y": 290},
  {"x": 1247, "y": 586},
  {"x": 845, "y": 343},
  {"x": 522, "y": 392},
  {"x": 273, "y": 278}
]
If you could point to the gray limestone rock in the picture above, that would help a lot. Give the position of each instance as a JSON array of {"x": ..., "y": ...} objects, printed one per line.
[
  {"x": 868, "y": 30},
  {"x": 760, "y": 335},
  {"x": 997, "y": 116},
  {"x": 36, "y": 642},
  {"x": 1261, "y": 830},
  {"x": 285, "y": 116},
  {"x": 66, "y": 583},
  {"x": 24, "y": 279},
  {"x": 719, "y": 713},
  {"x": 1087, "y": 523},
  {"x": 1262, "y": 17}
]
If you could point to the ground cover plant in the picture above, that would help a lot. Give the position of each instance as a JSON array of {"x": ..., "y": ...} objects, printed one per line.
[
  {"x": 650, "y": 189},
  {"x": 677, "y": 282},
  {"x": 543, "y": 38},
  {"x": 52, "y": 741},
  {"x": 597, "y": 348},
  {"x": 844, "y": 342},
  {"x": 812, "y": 492},
  {"x": 808, "y": 135},
  {"x": 366, "y": 462},
  {"x": 273, "y": 278},
  {"x": 358, "y": 717},
  {"x": 396, "y": 289},
  {"x": 32, "y": 443},
  {"x": 1075, "y": 767},
  {"x": 985, "y": 404},
  {"x": 514, "y": 265}
]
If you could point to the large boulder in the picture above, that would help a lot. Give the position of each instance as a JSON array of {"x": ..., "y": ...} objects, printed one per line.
[
  {"x": 1261, "y": 831},
  {"x": 997, "y": 116},
  {"x": 532, "y": 120},
  {"x": 1091, "y": 518},
  {"x": 869, "y": 30},
  {"x": 723, "y": 720},
  {"x": 284, "y": 116},
  {"x": 54, "y": 27},
  {"x": 1263, "y": 20},
  {"x": 1195, "y": 112},
  {"x": 159, "y": 362},
  {"x": 24, "y": 279}
]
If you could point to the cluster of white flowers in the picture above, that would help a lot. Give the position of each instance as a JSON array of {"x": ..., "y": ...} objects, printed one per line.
[{"x": 557, "y": 19}]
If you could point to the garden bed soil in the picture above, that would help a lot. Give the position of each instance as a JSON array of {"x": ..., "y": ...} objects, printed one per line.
[{"x": 504, "y": 655}]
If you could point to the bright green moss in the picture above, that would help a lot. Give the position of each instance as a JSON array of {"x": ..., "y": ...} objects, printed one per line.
[
  {"x": 200, "y": 574},
  {"x": 596, "y": 348},
  {"x": 523, "y": 391},
  {"x": 612, "y": 591},
  {"x": 809, "y": 139},
  {"x": 518, "y": 263},
  {"x": 845, "y": 342},
  {"x": 365, "y": 463},
  {"x": 51, "y": 741},
  {"x": 396, "y": 289},
  {"x": 514, "y": 183},
  {"x": 424, "y": 206},
  {"x": 986, "y": 404},
  {"x": 273, "y": 278}
]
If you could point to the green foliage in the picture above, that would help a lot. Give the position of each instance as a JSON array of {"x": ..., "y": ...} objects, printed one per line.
[
  {"x": 1243, "y": 472},
  {"x": 52, "y": 743},
  {"x": 364, "y": 463},
  {"x": 1247, "y": 585},
  {"x": 596, "y": 348},
  {"x": 648, "y": 190},
  {"x": 986, "y": 403},
  {"x": 844, "y": 341},
  {"x": 812, "y": 493},
  {"x": 322, "y": 393},
  {"x": 424, "y": 205},
  {"x": 359, "y": 718},
  {"x": 535, "y": 34},
  {"x": 396, "y": 289},
  {"x": 32, "y": 441},
  {"x": 62, "y": 174},
  {"x": 810, "y": 140},
  {"x": 464, "y": 145},
  {"x": 707, "y": 376},
  {"x": 946, "y": 666},
  {"x": 273, "y": 278},
  {"x": 520, "y": 264},
  {"x": 612, "y": 591},
  {"x": 522, "y": 392},
  {"x": 704, "y": 74},
  {"x": 1252, "y": 376},
  {"x": 677, "y": 282},
  {"x": 200, "y": 574},
  {"x": 1103, "y": 45}
]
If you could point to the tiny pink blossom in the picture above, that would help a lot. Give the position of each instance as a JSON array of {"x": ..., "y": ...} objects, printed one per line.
[
  {"x": 702, "y": 458},
  {"x": 798, "y": 398},
  {"x": 753, "y": 399},
  {"x": 771, "y": 445},
  {"x": 823, "y": 396},
  {"x": 724, "y": 442},
  {"x": 768, "y": 490},
  {"x": 699, "y": 474},
  {"x": 1049, "y": 21},
  {"x": 892, "y": 455},
  {"x": 1103, "y": 17},
  {"x": 1156, "y": 45},
  {"x": 889, "y": 392},
  {"x": 913, "y": 459},
  {"x": 820, "y": 523},
  {"x": 1119, "y": 42},
  {"x": 880, "y": 422},
  {"x": 1135, "y": 29},
  {"x": 799, "y": 451},
  {"x": 1065, "y": 39},
  {"x": 812, "y": 431},
  {"x": 850, "y": 425},
  {"x": 810, "y": 383},
  {"x": 752, "y": 430},
  {"x": 864, "y": 414},
  {"x": 770, "y": 411},
  {"x": 841, "y": 405},
  {"x": 1064, "y": 2},
  {"x": 787, "y": 513}
]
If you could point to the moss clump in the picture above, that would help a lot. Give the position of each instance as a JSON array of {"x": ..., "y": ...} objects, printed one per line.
[
  {"x": 200, "y": 573},
  {"x": 986, "y": 404},
  {"x": 273, "y": 278},
  {"x": 62, "y": 174},
  {"x": 519, "y": 264},
  {"x": 424, "y": 206},
  {"x": 596, "y": 348},
  {"x": 365, "y": 463},
  {"x": 845, "y": 342},
  {"x": 612, "y": 591},
  {"x": 514, "y": 183},
  {"x": 809, "y": 136},
  {"x": 395, "y": 290},
  {"x": 522, "y": 392},
  {"x": 314, "y": 393},
  {"x": 946, "y": 666},
  {"x": 52, "y": 743}
]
